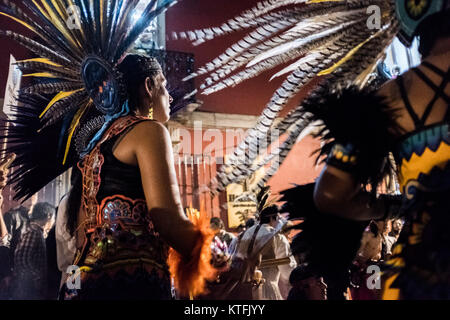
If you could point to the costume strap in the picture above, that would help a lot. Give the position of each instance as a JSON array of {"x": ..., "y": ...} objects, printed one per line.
[
  {"x": 439, "y": 91},
  {"x": 252, "y": 242},
  {"x": 407, "y": 103}
]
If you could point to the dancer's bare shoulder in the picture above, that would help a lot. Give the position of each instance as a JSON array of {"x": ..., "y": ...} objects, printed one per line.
[{"x": 146, "y": 136}]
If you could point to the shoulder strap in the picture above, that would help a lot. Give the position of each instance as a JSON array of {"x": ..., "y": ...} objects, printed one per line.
[
  {"x": 439, "y": 90},
  {"x": 433, "y": 68},
  {"x": 405, "y": 98},
  {"x": 252, "y": 242},
  {"x": 120, "y": 125},
  {"x": 239, "y": 239},
  {"x": 433, "y": 101}
]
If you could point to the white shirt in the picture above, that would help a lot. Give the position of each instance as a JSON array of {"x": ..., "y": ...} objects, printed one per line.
[
  {"x": 276, "y": 248},
  {"x": 65, "y": 243}
]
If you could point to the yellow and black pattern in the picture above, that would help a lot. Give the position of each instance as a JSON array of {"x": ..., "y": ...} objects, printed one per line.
[
  {"x": 420, "y": 264},
  {"x": 417, "y": 8}
]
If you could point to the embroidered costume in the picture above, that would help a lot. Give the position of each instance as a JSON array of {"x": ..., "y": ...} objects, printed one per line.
[{"x": 70, "y": 116}]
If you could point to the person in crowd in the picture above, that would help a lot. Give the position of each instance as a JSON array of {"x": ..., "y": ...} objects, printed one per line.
[
  {"x": 306, "y": 284},
  {"x": 5, "y": 241},
  {"x": 369, "y": 254},
  {"x": 30, "y": 257},
  {"x": 397, "y": 225},
  {"x": 266, "y": 240},
  {"x": 218, "y": 227},
  {"x": 388, "y": 241},
  {"x": 326, "y": 243}
]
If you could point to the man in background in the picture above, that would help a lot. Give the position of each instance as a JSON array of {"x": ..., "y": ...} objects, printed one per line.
[
  {"x": 218, "y": 227},
  {"x": 30, "y": 257}
]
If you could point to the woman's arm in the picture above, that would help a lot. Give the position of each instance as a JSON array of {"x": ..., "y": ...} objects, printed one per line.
[
  {"x": 153, "y": 149},
  {"x": 3, "y": 180},
  {"x": 337, "y": 192},
  {"x": 3, "y": 230}
]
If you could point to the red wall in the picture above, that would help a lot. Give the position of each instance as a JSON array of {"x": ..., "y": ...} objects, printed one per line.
[
  {"x": 249, "y": 97},
  {"x": 298, "y": 168}
]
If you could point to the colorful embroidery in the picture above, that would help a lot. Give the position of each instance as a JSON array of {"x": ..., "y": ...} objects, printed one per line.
[{"x": 91, "y": 167}]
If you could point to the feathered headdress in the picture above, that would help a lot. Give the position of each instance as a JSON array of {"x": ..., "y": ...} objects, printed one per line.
[
  {"x": 77, "y": 86},
  {"x": 341, "y": 41}
]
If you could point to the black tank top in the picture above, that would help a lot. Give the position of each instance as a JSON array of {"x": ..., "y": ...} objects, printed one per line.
[{"x": 118, "y": 177}]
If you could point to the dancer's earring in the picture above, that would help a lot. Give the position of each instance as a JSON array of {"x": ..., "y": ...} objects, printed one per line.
[{"x": 150, "y": 113}]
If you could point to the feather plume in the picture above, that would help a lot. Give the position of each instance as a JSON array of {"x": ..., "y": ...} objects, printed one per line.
[
  {"x": 36, "y": 47},
  {"x": 102, "y": 28},
  {"x": 52, "y": 87},
  {"x": 62, "y": 105}
]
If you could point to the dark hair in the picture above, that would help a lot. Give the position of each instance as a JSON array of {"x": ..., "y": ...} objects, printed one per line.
[
  {"x": 135, "y": 69},
  {"x": 217, "y": 222},
  {"x": 268, "y": 213},
  {"x": 42, "y": 211},
  {"x": 431, "y": 29},
  {"x": 250, "y": 223},
  {"x": 302, "y": 272}
]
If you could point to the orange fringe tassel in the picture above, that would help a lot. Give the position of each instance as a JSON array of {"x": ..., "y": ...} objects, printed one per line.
[{"x": 190, "y": 275}]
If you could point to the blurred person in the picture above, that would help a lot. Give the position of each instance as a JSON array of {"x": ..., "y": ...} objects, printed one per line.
[
  {"x": 30, "y": 257},
  {"x": 326, "y": 243},
  {"x": 369, "y": 254},
  {"x": 306, "y": 284},
  {"x": 260, "y": 257},
  {"x": 397, "y": 225},
  {"x": 387, "y": 240},
  {"x": 53, "y": 273},
  {"x": 218, "y": 227},
  {"x": 371, "y": 243},
  {"x": 267, "y": 238},
  {"x": 250, "y": 223},
  {"x": 65, "y": 242},
  {"x": 5, "y": 238}
]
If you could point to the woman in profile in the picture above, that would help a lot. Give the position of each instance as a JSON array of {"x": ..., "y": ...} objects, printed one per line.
[
  {"x": 125, "y": 223},
  {"x": 124, "y": 208},
  {"x": 88, "y": 107}
]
